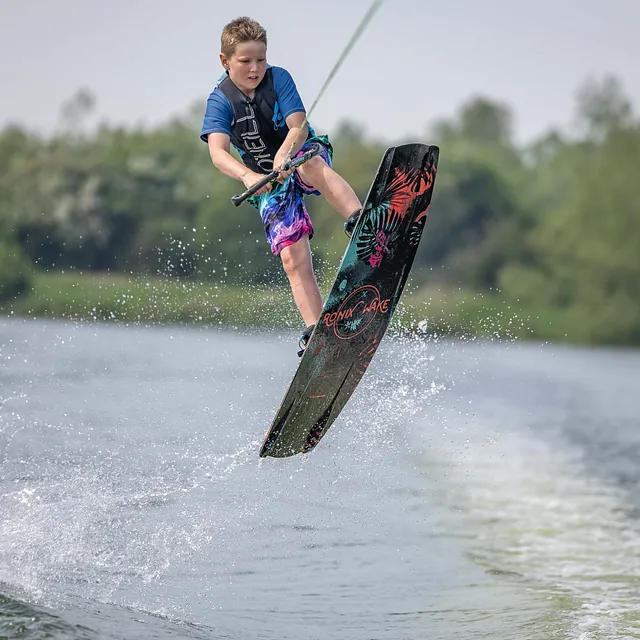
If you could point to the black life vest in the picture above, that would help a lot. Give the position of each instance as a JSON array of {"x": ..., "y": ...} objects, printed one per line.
[{"x": 258, "y": 129}]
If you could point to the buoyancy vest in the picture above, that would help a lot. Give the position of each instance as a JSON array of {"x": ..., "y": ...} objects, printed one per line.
[{"x": 258, "y": 129}]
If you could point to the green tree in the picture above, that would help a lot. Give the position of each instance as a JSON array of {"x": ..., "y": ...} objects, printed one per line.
[
  {"x": 586, "y": 246},
  {"x": 476, "y": 222}
]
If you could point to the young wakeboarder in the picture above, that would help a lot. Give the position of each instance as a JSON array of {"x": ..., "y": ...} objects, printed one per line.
[{"x": 256, "y": 108}]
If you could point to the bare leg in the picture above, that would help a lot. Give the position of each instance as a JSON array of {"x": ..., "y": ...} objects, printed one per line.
[
  {"x": 336, "y": 190},
  {"x": 296, "y": 260}
]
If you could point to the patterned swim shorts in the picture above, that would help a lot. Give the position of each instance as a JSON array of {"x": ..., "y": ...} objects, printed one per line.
[{"x": 282, "y": 210}]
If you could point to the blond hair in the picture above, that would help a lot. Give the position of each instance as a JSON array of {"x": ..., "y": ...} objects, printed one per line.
[{"x": 238, "y": 31}]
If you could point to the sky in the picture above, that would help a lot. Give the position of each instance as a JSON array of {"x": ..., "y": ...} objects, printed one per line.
[{"x": 147, "y": 61}]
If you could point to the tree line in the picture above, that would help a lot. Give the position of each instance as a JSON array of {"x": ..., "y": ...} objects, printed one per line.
[{"x": 552, "y": 226}]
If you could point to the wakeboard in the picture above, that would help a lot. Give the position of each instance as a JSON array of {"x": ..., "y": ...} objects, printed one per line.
[{"x": 358, "y": 310}]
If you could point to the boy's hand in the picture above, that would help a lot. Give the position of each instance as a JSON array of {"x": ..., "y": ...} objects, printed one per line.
[
  {"x": 250, "y": 178},
  {"x": 278, "y": 161}
]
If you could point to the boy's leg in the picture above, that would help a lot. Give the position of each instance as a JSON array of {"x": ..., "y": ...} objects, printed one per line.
[
  {"x": 317, "y": 174},
  {"x": 296, "y": 260}
]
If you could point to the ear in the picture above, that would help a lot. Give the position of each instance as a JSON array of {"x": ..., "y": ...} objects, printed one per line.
[{"x": 224, "y": 62}]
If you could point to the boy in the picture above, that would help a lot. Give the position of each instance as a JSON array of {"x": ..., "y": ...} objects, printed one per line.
[{"x": 257, "y": 108}]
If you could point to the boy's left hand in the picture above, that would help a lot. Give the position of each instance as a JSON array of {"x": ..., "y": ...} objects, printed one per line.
[{"x": 278, "y": 161}]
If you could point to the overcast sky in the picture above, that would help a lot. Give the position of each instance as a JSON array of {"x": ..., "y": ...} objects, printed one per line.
[{"x": 147, "y": 60}]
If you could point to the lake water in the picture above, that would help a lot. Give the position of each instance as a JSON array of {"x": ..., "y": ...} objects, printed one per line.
[{"x": 469, "y": 490}]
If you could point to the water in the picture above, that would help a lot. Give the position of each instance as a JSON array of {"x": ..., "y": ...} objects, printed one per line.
[{"x": 470, "y": 490}]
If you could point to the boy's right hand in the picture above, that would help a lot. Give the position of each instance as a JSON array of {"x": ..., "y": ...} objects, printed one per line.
[{"x": 250, "y": 178}]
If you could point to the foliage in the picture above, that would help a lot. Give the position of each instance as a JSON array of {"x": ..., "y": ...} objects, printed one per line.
[
  {"x": 550, "y": 231},
  {"x": 15, "y": 271}
]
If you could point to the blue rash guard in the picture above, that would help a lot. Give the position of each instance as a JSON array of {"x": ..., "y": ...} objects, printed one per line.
[
  {"x": 276, "y": 99},
  {"x": 257, "y": 128}
]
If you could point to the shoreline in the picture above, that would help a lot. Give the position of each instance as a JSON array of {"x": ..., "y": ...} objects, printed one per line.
[{"x": 159, "y": 301}]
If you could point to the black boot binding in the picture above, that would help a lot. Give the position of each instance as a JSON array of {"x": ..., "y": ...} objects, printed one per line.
[
  {"x": 303, "y": 341},
  {"x": 351, "y": 223}
]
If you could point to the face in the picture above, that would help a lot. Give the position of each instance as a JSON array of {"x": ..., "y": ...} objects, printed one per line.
[{"x": 246, "y": 66}]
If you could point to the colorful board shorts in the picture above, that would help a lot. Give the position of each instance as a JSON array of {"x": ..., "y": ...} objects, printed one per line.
[{"x": 282, "y": 210}]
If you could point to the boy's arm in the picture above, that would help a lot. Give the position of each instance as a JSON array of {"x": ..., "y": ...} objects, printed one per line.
[
  {"x": 220, "y": 152},
  {"x": 295, "y": 122}
]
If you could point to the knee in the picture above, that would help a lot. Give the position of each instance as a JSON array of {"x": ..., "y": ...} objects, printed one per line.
[
  {"x": 294, "y": 262},
  {"x": 290, "y": 262},
  {"x": 311, "y": 170}
]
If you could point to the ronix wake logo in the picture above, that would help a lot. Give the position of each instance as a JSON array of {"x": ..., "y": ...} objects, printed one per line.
[{"x": 356, "y": 312}]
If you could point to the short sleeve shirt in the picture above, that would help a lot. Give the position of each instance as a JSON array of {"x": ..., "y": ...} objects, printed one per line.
[{"x": 218, "y": 117}]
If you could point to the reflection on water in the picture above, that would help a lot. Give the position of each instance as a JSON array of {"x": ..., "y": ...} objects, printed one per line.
[{"x": 468, "y": 490}]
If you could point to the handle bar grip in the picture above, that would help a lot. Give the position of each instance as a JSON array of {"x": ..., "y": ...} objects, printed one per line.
[{"x": 290, "y": 164}]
